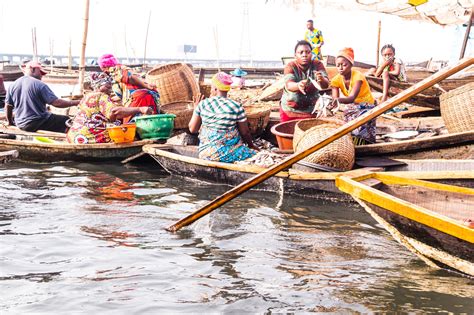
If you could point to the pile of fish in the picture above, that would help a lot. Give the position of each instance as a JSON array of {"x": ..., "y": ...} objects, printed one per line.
[{"x": 264, "y": 158}]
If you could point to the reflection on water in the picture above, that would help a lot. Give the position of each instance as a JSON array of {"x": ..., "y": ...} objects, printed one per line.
[{"x": 91, "y": 237}]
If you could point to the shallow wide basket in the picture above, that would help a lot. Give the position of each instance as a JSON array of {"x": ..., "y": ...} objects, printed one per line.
[
  {"x": 155, "y": 126},
  {"x": 183, "y": 112},
  {"x": 339, "y": 154},
  {"x": 175, "y": 82},
  {"x": 305, "y": 124},
  {"x": 123, "y": 133},
  {"x": 258, "y": 117},
  {"x": 457, "y": 108}
]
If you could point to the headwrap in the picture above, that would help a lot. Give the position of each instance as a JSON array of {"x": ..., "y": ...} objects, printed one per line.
[
  {"x": 98, "y": 79},
  {"x": 347, "y": 53},
  {"x": 222, "y": 81},
  {"x": 107, "y": 61}
]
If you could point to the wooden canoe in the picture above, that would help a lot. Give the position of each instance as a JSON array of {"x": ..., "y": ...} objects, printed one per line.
[
  {"x": 30, "y": 149},
  {"x": 435, "y": 221},
  {"x": 429, "y": 97},
  {"x": 7, "y": 156},
  {"x": 450, "y": 146},
  {"x": 184, "y": 161}
]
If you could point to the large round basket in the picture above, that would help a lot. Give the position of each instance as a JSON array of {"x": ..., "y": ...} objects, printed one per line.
[
  {"x": 258, "y": 117},
  {"x": 175, "y": 82},
  {"x": 183, "y": 112},
  {"x": 305, "y": 124},
  {"x": 339, "y": 154},
  {"x": 457, "y": 108}
]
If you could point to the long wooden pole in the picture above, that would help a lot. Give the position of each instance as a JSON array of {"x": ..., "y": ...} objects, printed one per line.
[
  {"x": 378, "y": 43},
  {"x": 468, "y": 32},
  {"x": 82, "y": 66},
  {"x": 146, "y": 39},
  {"x": 341, "y": 131}
]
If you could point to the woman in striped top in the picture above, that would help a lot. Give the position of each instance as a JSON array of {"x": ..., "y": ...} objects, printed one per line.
[{"x": 224, "y": 134}]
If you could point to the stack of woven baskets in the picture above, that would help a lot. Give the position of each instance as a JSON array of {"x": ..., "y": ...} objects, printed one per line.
[
  {"x": 177, "y": 86},
  {"x": 457, "y": 108},
  {"x": 339, "y": 154},
  {"x": 258, "y": 117}
]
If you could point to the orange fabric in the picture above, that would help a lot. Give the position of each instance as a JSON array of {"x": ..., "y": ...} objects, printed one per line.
[
  {"x": 347, "y": 53},
  {"x": 365, "y": 96}
]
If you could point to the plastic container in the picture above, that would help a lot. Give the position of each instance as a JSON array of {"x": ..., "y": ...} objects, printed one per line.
[
  {"x": 155, "y": 126},
  {"x": 284, "y": 134},
  {"x": 123, "y": 133}
]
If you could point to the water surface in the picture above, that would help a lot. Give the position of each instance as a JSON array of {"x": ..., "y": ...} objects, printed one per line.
[{"x": 91, "y": 238}]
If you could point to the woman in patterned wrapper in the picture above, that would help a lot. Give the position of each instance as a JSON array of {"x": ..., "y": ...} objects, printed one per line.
[
  {"x": 224, "y": 134},
  {"x": 96, "y": 110}
]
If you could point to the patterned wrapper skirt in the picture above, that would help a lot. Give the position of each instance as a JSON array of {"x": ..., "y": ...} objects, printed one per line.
[
  {"x": 366, "y": 133},
  {"x": 223, "y": 145}
]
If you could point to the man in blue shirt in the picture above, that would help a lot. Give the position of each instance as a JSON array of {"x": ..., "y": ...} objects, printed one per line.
[{"x": 27, "y": 98}]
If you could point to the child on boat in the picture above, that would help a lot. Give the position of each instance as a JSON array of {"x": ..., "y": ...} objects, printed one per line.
[
  {"x": 391, "y": 69},
  {"x": 357, "y": 97}
]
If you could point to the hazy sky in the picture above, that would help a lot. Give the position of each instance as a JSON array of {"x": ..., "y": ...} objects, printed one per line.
[{"x": 269, "y": 32}]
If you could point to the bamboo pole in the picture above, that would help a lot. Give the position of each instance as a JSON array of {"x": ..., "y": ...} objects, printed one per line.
[
  {"x": 82, "y": 68},
  {"x": 341, "y": 131},
  {"x": 466, "y": 36},
  {"x": 146, "y": 39},
  {"x": 69, "y": 60},
  {"x": 378, "y": 43}
]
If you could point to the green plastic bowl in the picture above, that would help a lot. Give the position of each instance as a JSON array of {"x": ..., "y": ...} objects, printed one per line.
[{"x": 155, "y": 126}]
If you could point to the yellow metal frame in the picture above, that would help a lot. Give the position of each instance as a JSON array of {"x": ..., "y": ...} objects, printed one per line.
[{"x": 352, "y": 186}]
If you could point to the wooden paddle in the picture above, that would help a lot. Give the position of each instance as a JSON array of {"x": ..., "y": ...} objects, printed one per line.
[{"x": 341, "y": 131}]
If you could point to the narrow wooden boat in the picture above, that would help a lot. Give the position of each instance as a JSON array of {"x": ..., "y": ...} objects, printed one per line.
[
  {"x": 433, "y": 220},
  {"x": 184, "y": 161},
  {"x": 429, "y": 97},
  {"x": 10, "y": 72},
  {"x": 39, "y": 148},
  {"x": 7, "y": 156},
  {"x": 450, "y": 146}
]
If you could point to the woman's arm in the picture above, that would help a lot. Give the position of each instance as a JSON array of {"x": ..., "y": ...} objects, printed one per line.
[
  {"x": 384, "y": 64},
  {"x": 195, "y": 123},
  {"x": 293, "y": 86},
  {"x": 122, "y": 112},
  {"x": 136, "y": 80},
  {"x": 354, "y": 93},
  {"x": 244, "y": 131},
  {"x": 396, "y": 69}
]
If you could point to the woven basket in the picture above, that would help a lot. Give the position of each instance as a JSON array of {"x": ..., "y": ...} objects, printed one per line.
[
  {"x": 258, "y": 117},
  {"x": 175, "y": 82},
  {"x": 305, "y": 124},
  {"x": 457, "y": 108},
  {"x": 339, "y": 154},
  {"x": 205, "y": 89},
  {"x": 183, "y": 112}
]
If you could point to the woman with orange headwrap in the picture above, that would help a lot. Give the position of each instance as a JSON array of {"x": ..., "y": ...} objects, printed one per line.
[
  {"x": 356, "y": 95},
  {"x": 130, "y": 88},
  {"x": 222, "y": 125}
]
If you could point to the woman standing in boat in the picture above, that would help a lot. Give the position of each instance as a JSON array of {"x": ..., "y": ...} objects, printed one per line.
[
  {"x": 224, "y": 134},
  {"x": 357, "y": 97},
  {"x": 300, "y": 94},
  {"x": 129, "y": 87},
  {"x": 96, "y": 110}
]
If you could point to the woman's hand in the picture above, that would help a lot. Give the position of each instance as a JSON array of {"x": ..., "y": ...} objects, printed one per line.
[
  {"x": 146, "y": 110},
  {"x": 302, "y": 86},
  {"x": 122, "y": 112},
  {"x": 197, "y": 98}
]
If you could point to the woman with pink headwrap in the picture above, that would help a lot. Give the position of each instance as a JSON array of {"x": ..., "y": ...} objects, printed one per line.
[
  {"x": 224, "y": 134},
  {"x": 130, "y": 88}
]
